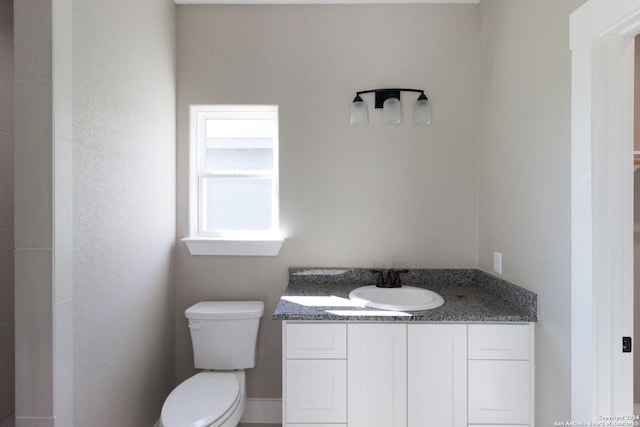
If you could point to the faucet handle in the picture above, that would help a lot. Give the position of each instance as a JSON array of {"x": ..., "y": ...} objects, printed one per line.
[
  {"x": 396, "y": 276},
  {"x": 380, "y": 273}
]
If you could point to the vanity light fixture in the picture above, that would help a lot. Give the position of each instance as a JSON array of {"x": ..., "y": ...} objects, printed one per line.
[{"x": 389, "y": 101}]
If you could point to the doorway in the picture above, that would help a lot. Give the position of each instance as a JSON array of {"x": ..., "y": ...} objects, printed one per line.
[
  {"x": 636, "y": 225},
  {"x": 602, "y": 50}
]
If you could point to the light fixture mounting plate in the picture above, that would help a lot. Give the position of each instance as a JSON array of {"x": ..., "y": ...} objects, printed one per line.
[{"x": 384, "y": 94}]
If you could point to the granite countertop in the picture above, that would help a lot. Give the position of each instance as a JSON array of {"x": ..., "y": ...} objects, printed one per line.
[{"x": 470, "y": 295}]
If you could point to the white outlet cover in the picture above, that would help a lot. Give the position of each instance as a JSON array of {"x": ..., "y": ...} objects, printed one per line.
[{"x": 497, "y": 262}]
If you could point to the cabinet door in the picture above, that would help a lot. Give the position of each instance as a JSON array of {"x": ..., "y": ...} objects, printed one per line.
[
  {"x": 437, "y": 375},
  {"x": 377, "y": 372},
  {"x": 498, "y": 392},
  {"x": 494, "y": 342},
  {"x": 316, "y": 391}
]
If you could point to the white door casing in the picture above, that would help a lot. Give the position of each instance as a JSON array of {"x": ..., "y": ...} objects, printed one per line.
[{"x": 602, "y": 48}]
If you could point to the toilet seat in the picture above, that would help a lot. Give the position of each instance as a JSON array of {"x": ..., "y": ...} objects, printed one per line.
[{"x": 205, "y": 399}]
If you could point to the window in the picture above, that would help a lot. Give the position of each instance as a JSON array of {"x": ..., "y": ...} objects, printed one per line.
[{"x": 234, "y": 180}]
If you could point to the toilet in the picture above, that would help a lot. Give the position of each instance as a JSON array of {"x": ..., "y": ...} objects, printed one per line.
[{"x": 223, "y": 336}]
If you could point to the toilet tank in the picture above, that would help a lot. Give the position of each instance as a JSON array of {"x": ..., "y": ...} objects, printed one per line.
[{"x": 224, "y": 333}]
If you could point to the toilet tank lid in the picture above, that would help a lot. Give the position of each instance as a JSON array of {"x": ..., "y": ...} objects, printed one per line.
[{"x": 225, "y": 310}]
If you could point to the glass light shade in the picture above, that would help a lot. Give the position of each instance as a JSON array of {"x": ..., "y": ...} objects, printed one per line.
[
  {"x": 359, "y": 113},
  {"x": 422, "y": 112},
  {"x": 391, "y": 113}
]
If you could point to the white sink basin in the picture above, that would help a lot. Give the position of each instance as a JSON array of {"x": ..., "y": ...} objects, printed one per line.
[{"x": 406, "y": 298}]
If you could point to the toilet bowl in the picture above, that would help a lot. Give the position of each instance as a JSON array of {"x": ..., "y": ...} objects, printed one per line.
[{"x": 207, "y": 399}]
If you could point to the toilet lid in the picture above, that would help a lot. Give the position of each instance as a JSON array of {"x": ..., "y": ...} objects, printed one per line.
[{"x": 200, "y": 400}]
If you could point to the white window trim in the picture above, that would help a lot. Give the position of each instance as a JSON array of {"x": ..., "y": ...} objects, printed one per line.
[{"x": 258, "y": 243}]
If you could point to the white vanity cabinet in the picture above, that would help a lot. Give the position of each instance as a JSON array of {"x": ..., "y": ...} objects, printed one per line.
[{"x": 391, "y": 374}]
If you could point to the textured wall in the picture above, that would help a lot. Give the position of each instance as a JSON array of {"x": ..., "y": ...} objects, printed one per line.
[
  {"x": 375, "y": 196},
  {"x": 7, "y": 346},
  {"x": 124, "y": 209},
  {"x": 524, "y": 171}
]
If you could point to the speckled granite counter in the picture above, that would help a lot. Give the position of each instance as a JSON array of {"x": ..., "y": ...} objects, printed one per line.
[{"x": 470, "y": 296}]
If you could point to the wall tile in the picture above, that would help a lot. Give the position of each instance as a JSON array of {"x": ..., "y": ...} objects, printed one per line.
[
  {"x": 62, "y": 108},
  {"x": 63, "y": 221},
  {"x": 7, "y": 327},
  {"x": 62, "y": 63},
  {"x": 6, "y": 180},
  {"x": 33, "y": 152},
  {"x": 33, "y": 148},
  {"x": 6, "y": 19},
  {"x": 35, "y": 422},
  {"x": 34, "y": 336},
  {"x": 62, "y": 38},
  {"x": 63, "y": 359},
  {"x": 7, "y": 366},
  {"x": 6, "y": 277},
  {"x": 33, "y": 40},
  {"x": 6, "y": 84}
]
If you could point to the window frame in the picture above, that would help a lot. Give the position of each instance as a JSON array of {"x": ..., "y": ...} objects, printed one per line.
[{"x": 229, "y": 242}]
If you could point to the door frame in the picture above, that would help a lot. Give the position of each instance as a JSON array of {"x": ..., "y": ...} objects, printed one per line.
[{"x": 602, "y": 51}]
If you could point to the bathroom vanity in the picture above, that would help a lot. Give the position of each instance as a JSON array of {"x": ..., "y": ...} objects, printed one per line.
[{"x": 469, "y": 362}]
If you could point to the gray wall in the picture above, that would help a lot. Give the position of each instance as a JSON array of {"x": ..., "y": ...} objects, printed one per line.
[
  {"x": 124, "y": 209},
  {"x": 377, "y": 196},
  {"x": 7, "y": 347},
  {"x": 524, "y": 172}
]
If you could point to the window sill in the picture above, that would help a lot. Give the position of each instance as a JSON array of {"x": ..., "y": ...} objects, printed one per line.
[{"x": 233, "y": 246}]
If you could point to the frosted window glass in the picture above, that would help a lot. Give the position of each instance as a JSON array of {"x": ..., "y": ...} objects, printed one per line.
[{"x": 238, "y": 203}]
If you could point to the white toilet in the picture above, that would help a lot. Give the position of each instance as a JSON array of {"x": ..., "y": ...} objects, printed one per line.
[{"x": 223, "y": 335}]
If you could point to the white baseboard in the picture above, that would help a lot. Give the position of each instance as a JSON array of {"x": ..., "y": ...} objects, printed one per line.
[{"x": 262, "y": 411}]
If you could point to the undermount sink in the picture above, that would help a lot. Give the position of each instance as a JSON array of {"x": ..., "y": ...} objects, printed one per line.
[{"x": 405, "y": 298}]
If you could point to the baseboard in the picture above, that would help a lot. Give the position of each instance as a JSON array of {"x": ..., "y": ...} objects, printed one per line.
[{"x": 262, "y": 411}]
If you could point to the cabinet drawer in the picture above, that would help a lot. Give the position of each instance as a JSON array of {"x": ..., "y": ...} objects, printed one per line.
[
  {"x": 495, "y": 342},
  {"x": 316, "y": 391},
  {"x": 316, "y": 341}
]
